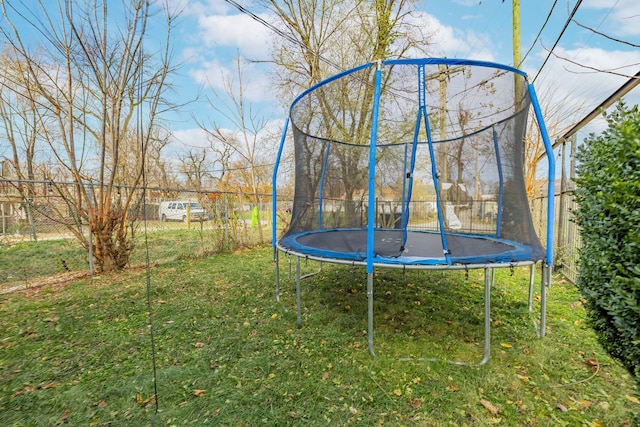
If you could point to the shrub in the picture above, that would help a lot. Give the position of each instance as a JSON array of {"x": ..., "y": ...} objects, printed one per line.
[{"x": 608, "y": 197}]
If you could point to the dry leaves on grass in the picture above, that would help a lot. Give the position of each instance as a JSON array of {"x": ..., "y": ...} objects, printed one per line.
[{"x": 490, "y": 406}]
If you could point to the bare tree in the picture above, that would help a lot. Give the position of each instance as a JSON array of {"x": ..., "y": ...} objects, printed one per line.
[
  {"x": 195, "y": 166},
  {"x": 555, "y": 114},
  {"x": 324, "y": 37},
  {"x": 242, "y": 151},
  {"x": 100, "y": 95},
  {"x": 20, "y": 123}
]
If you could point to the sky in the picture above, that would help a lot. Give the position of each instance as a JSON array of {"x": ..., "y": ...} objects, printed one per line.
[{"x": 583, "y": 69}]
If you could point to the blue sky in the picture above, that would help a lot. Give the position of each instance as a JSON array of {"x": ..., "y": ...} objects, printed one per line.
[
  {"x": 212, "y": 32},
  {"x": 584, "y": 69}
]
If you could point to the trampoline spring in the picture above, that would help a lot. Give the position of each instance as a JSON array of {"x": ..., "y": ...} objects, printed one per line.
[{"x": 512, "y": 269}]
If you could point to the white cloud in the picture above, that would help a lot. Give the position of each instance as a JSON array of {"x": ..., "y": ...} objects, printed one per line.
[
  {"x": 234, "y": 31},
  {"x": 451, "y": 42},
  {"x": 186, "y": 139},
  {"x": 582, "y": 89},
  {"x": 618, "y": 17},
  {"x": 467, "y": 2},
  {"x": 216, "y": 75}
]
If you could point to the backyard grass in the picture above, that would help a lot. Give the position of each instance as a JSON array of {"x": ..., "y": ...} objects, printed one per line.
[{"x": 227, "y": 353}]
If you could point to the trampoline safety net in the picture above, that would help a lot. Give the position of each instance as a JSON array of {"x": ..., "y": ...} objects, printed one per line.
[{"x": 431, "y": 151}]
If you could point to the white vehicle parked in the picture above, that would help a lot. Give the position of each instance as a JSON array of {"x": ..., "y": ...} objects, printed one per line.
[{"x": 177, "y": 211}]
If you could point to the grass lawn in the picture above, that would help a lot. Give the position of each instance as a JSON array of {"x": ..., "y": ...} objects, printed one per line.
[{"x": 227, "y": 353}]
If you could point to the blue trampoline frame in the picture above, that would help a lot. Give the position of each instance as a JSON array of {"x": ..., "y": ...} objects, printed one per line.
[{"x": 520, "y": 255}]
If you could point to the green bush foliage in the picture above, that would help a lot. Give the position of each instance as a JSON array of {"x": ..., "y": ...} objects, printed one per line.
[{"x": 608, "y": 196}]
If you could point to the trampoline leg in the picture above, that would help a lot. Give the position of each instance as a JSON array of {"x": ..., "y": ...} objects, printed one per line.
[
  {"x": 545, "y": 282},
  {"x": 488, "y": 282},
  {"x": 276, "y": 259},
  {"x": 532, "y": 274},
  {"x": 370, "y": 312},
  {"x": 298, "y": 308}
]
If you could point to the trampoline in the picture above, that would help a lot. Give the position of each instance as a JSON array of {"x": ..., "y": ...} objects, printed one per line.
[{"x": 414, "y": 164}]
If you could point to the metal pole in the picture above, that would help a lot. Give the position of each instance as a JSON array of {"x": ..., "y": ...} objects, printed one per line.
[
  {"x": 532, "y": 273},
  {"x": 226, "y": 221},
  {"x": 370, "y": 312},
  {"x": 489, "y": 277},
  {"x": 90, "y": 229},
  {"x": 276, "y": 259},
  {"x": 546, "y": 281},
  {"x": 298, "y": 306}
]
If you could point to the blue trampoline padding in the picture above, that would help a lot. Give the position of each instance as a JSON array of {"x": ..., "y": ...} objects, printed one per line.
[{"x": 421, "y": 248}]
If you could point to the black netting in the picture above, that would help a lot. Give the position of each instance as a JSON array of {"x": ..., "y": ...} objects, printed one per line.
[{"x": 463, "y": 122}]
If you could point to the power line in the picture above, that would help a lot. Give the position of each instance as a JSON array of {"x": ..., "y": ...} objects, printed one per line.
[
  {"x": 566, "y": 24},
  {"x": 281, "y": 33},
  {"x": 546, "y": 21}
]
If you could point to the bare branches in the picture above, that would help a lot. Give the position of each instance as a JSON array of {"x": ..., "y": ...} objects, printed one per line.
[
  {"x": 608, "y": 37},
  {"x": 87, "y": 78}
]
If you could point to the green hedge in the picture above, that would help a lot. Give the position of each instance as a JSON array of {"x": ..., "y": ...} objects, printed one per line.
[{"x": 608, "y": 196}]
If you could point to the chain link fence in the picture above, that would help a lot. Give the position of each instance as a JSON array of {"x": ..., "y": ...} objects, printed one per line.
[
  {"x": 48, "y": 239},
  {"x": 567, "y": 241},
  {"x": 43, "y": 237}
]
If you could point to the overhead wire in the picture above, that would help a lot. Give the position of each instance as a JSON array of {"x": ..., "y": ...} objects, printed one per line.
[
  {"x": 555, "y": 44},
  {"x": 535, "y": 40},
  {"x": 281, "y": 33},
  {"x": 293, "y": 40}
]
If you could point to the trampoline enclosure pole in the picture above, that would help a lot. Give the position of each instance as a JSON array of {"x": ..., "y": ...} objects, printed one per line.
[
  {"x": 372, "y": 169},
  {"x": 274, "y": 179},
  {"x": 551, "y": 173}
]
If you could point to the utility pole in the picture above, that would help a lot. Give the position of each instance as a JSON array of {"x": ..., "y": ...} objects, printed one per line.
[{"x": 517, "y": 54}]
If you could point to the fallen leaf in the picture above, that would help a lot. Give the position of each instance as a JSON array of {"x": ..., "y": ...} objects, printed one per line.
[
  {"x": 632, "y": 398},
  {"x": 523, "y": 378},
  {"x": 102, "y": 404},
  {"x": 397, "y": 392},
  {"x": 585, "y": 403},
  {"x": 561, "y": 407},
  {"x": 452, "y": 388},
  {"x": 489, "y": 406},
  {"x": 353, "y": 410},
  {"x": 591, "y": 362},
  {"x": 505, "y": 345},
  {"x": 199, "y": 345},
  {"x": 199, "y": 393},
  {"x": 416, "y": 403},
  {"x": 596, "y": 423}
]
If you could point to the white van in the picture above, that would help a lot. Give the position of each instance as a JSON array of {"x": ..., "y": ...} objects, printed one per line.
[{"x": 177, "y": 211}]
